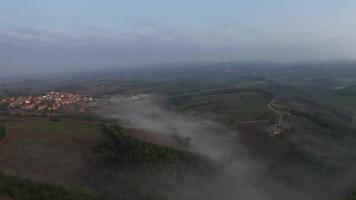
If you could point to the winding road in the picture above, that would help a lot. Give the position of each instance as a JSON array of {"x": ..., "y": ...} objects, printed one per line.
[{"x": 280, "y": 114}]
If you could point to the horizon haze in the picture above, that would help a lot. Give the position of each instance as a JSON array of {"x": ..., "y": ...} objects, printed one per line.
[{"x": 48, "y": 36}]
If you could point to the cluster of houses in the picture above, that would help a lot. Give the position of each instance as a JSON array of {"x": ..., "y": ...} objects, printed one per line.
[{"x": 52, "y": 101}]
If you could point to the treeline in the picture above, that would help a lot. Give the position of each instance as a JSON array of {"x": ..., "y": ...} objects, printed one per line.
[
  {"x": 116, "y": 146},
  {"x": 23, "y": 189},
  {"x": 321, "y": 120},
  {"x": 129, "y": 169}
]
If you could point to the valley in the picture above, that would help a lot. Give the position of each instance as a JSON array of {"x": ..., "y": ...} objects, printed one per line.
[{"x": 290, "y": 127}]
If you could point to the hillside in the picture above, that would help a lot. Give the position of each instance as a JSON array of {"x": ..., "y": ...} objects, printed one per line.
[{"x": 294, "y": 121}]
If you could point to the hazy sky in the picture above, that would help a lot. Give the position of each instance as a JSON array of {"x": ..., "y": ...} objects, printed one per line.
[{"x": 71, "y": 34}]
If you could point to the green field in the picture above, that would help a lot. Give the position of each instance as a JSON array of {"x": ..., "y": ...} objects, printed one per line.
[
  {"x": 45, "y": 125},
  {"x": 227, "y": 106}
]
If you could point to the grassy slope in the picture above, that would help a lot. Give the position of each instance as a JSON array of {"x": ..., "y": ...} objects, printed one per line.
[
  {"x": 316, "y": 122},
  {"x": 45, "y": 125},
  {"x": 228, "y": 106},
  {"x": 345, "y": 97}
]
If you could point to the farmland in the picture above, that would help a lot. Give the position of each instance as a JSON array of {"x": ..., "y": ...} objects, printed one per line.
[
  {"x": 46, "y": 147},
  {"x": 74, "y": 154}
]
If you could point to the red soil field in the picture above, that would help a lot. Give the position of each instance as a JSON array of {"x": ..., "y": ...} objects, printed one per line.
[{"x": 45, "y": 157}]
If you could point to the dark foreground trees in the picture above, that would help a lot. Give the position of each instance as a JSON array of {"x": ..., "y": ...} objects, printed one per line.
[{"x": 23, "y": 189}]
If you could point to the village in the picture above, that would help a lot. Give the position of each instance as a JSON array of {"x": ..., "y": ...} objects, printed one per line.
[{"x": 52, "y": 101}]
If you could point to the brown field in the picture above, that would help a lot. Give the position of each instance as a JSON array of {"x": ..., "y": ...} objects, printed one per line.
[
  {"x": 56, "y": 151},
  {"x": 47, "y": 151}
]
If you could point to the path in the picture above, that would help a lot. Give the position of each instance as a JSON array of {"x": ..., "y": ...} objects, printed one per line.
[{"x": 280, "y": 114}]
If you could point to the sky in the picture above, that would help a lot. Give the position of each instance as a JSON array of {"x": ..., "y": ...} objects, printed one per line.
[{"x": 49, "y": 35}]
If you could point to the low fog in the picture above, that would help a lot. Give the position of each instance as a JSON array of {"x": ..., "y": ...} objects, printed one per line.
[{"x": 243, "y": 175}]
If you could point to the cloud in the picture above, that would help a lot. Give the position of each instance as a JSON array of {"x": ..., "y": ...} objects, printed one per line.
[
  {"x": 150, "y": 43},
  {"x": 242, "y": 175}
]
